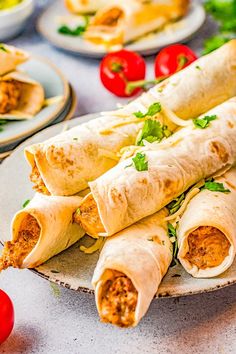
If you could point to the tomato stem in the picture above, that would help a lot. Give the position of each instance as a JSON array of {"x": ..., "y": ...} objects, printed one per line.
[{"x": 144, "y": 84}]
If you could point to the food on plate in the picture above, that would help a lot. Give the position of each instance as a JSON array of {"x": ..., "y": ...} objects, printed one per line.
[
  {"x": 10, "y": 58},
  {"x": 142, "y": 185},
  {"x": 65, "y": 164},
  {"x": 8, "y": 4},
  {"x": 41, "y": 230},
  {"x": 129, "y": 271},
  {"x": 123, "y": 21},
  {"x": 172, "y": 59},
  {"x": 118, "y": 68},
  {"x": 20, "y": 96},
  {"x": 207, "y": 228},
  {"x": 84, "y": 6},
  {"x": 6, "y": 316}
]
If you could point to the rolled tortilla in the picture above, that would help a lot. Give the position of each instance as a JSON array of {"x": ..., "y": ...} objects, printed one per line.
[
  {"x": 41, "y": 230},
  {"x": 84, "y": 6},
  {"x": 124, "y": 195},
  {"x": 20, "y": 96},
  {"x": 66, "y": 163},
  {"x": 130, "y": 269},
  {"x": 123, "y": 21},
  {"x": 207, "y": 230},
  {"x": 10, "y": 58}
]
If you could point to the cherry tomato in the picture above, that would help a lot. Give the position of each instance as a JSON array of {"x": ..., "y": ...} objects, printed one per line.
[
  {"x": 172, "y": 59},
  {"x": 118, "y": 68},
  {"x": 6, "y": 316}
]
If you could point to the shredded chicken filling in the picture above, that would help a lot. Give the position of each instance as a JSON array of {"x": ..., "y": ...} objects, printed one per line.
[
  {"x": 36, "y": 179},
  {"x": 9, "y": 95},
  {"x": 110, "y": 18},
  {"x": 14, "y": 252},
  {"x": 208, "y": 247},
  {"x": 88, "y": 217},
  {"x": 119, "y": 301}
]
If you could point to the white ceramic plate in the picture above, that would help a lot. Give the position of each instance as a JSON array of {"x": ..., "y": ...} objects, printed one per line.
[
  {"x": 54, "y": 84},
  {"x": 180, "y": 31},
  {"x": 72, "y": 268}
]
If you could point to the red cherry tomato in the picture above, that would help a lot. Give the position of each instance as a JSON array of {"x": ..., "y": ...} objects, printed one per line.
[
  {"x": 6, "y": 316},
  {"x": 172, "y": 59},
  {"x": 118, "y": 68}
]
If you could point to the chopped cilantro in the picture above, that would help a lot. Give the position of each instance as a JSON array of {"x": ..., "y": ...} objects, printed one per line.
[
  {"x": 176, "y": 204},
  {"x": 152, "y": 131},
  {"x": 152, "y": 111},
  {"x": 198, "y": 67},
  {"x": 26, "y": 202},
  {"x": 204, "y": 122},
  {"x": 139, "y": 162},
  {"x": 173, "y": 238},
  {"x": 3, "y": 48},
  {"x": 213, "y": 186},
  {"x": 214, "y": 42},
  {"x": 78, "y": 31}
]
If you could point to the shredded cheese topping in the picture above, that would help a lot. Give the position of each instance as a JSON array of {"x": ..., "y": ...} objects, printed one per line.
[{"x": 97, "y": 246}]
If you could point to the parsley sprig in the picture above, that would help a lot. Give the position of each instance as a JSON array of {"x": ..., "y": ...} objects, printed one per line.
[
  {"x": 3, "y": 48},
  {"x": 204, "y": 122},
  {"x": 173, "y": 239},
  {"x": 213, "y": 186},
  {"x": 152, "y": 131},
  {"x": 151, "y": 112},
  {"x": 140, "y": 162}
]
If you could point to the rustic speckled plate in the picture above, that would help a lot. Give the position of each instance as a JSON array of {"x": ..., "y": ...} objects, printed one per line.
[
  {"x": 180, "y": 31},
  {"x": 72, "y": 268}
]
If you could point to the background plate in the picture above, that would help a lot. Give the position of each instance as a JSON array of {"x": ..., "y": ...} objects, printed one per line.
[
  {"x": 54, "y": 84},
  {"x": 178, "y": 32},
  {"x": 72, "y": 268}
]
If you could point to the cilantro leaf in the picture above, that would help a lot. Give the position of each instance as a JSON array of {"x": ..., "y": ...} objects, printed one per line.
[
  {"x": 173, "y": 238},
  {"x": 152, "y": 111},
  {"x": 176, "y": 204},
  {"x": 213, "y": 186},
  {"x": 140, "y": 162},
  {"x": 214, "y": 43},
  {"x": 3, "y": 48},
  {"x": 204, "y": 122},
  {"x": 78, "y": 31},
  {"x": 26, "y": 202},
  {"x": 152, "y": 131}
]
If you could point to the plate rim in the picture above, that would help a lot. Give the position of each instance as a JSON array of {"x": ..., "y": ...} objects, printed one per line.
[
  {"x": 66, "y": 89},
  {"x": 99, "y": 54},
  {"x": 82, "y": 119}
]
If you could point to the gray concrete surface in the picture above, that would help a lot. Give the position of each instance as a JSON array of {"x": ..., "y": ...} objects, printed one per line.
[{"x": 46, "y": 324}]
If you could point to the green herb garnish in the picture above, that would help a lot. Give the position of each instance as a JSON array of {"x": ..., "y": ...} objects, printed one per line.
[
  {"x": 3, "y": 48},
  {"x": 173, "y": 239},
  {"x": 152, "y": 111},
  {"x": 139, "y": 162},
  {"x": 213, "y": 186},
  {"x": 26, "y": 202},
  {"x": 78, "y": 211},
  {"x": 78, "y": 31},
  {"x": 204, "y": 122},
  {"x": 54, "y": 271},
  {"x": 224, "y": 12},
  {"x": 214, "y": 43},
  {"x": 198, "y": 67},
  {"x": 176, "y": 204},
  {"x": 152, "y": 131}
]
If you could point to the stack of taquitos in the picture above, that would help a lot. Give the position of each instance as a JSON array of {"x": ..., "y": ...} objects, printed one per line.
[
  {"x": 124, "y": 194},
  {"x": 66, "y": 163}
]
